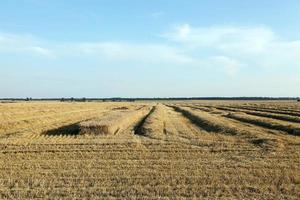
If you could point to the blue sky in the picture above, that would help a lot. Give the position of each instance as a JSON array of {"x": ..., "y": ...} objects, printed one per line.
[{"x": 139, "y": 48}]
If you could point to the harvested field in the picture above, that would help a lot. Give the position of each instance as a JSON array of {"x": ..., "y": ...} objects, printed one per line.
[
  {"x": 150, "y": 150},
  {"x": 113, "y": 122}
]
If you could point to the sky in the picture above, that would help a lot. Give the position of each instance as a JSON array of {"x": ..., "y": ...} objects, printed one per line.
[{"x": 143, "y": 48}]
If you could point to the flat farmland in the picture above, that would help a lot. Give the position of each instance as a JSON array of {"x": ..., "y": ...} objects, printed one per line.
[{"x": 150, "y": 150}]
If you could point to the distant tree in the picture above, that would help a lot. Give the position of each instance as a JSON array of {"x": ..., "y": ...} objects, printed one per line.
[
  {"x": 83, "y": 99},
  {"x": 27, "y": 99},
  {"x": 62, "y": 99},
  {"x": 72, "y": 99}
]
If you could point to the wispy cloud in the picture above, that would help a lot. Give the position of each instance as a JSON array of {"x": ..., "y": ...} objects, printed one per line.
[
  {"x": 230, "y": 65},
  {"x": 110, "y": 51},
  {"x": 143, "y": 53},
  {"x": 40, "y": 51},
  {"x": 249, "y": 39},
  {"x": 258, "y": 46},
  {"x": 27, "y": 44},
  {"x": 230, "y": 49},
  {"x": 157, "y": 14}
]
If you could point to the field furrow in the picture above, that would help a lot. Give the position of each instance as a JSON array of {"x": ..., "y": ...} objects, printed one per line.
[
  {"x": 181, "y": 150},
  {"x": 262, "y": 114}
]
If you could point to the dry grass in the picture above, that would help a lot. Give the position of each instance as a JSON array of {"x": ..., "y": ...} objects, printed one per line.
[
  {"x": 288, "y": 127},
  {"x": 196, "y": 150},
  {"x": 262, "y": 114},
  {"x": 154, "y": 126},
  {"x": 114, "y": 122}
]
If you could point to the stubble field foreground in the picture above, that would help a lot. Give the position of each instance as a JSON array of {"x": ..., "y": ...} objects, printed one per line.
[{"x": 149, "y": 150}]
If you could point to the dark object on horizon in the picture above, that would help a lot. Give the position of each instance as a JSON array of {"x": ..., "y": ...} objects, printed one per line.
[
  {"x": 120, "y": 99},
  {"x": 73, "y": 99},
  {"x": 82, "y": 100}
]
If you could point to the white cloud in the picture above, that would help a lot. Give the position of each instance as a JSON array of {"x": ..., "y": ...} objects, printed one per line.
[
  {"x": 27, "y": 44},
  {"x": 140, "y": 53},
  {"x": 157, "y": 14},
  {"x": 230, "y": 49},
  {"x": 257, "y": 46},
  {"x": 183, "y": 32},
  {"x": 40, "y": 51},
  {"x": 249, "y": 39},
  {"x": 143, "y": 53},
  {"x": 230, "y": 65}
]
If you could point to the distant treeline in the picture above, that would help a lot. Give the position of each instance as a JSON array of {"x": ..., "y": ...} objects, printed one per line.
[{"x": 119, "y": 99}]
